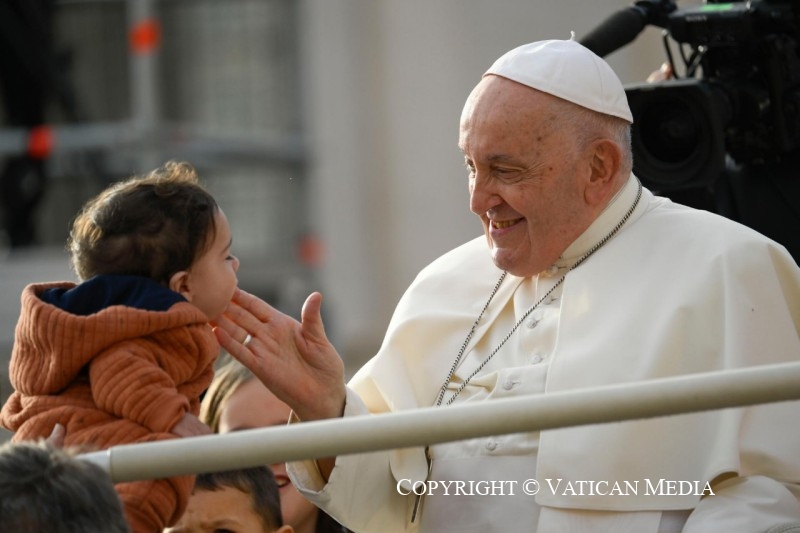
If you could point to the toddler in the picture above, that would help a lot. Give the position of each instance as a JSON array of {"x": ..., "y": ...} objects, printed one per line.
[{"x": 123, "y": 356}]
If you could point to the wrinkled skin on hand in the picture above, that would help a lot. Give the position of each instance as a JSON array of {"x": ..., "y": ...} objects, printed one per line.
[{"x": 295, "y": 360}]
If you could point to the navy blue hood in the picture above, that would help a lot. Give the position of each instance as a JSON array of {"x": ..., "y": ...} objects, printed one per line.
[{"x": 100, "y": 292}]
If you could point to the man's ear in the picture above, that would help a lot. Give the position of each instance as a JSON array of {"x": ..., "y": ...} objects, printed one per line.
[
  {"x": 179, "y": 282},
  {"x": 285, "y": 529},
  {"x": 606, "y": 157}
]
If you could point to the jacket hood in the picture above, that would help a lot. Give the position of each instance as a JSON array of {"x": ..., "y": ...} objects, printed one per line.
[
  {"x": 63, "y": 326},
  {"x": 100, "y": 292}
]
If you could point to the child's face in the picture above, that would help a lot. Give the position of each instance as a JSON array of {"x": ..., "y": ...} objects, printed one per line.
[
  {"x": 212, "y": 278},
  {"x": 238, "y": 414},
  {"x": 226, "y": 509}
]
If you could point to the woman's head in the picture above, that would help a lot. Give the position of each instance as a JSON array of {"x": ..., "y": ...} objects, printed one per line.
[
  {"x": 228, "y": 377},
  {"x": 152, "y": 225},
  {"x": 237, "y": 400}
]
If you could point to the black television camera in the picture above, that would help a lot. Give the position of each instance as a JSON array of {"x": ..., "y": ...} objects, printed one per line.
[{"x": 736, "y": 94}]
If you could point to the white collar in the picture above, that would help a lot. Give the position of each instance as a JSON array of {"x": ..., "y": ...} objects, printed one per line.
[{"x": 602, "y": 225}]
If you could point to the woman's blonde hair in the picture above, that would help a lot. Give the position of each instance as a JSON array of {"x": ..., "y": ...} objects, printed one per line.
[{"x": 230, "y": 375}]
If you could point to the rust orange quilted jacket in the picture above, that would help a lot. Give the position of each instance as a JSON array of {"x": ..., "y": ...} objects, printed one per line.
[{"x": 115, "y": 373}]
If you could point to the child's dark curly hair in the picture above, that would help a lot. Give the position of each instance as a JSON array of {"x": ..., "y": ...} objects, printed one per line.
[{"x": 153, "y": 225}]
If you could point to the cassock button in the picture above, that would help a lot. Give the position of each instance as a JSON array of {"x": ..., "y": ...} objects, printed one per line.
[
  {"x": 536, "y": 359},
  {"x": 533, "y": 322},
  {"x": 491, "y": 445}
]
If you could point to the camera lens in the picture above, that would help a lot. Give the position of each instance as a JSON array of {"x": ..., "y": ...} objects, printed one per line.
[
  {"x": 669, "y": 131},
  {"x": 677, "y": 134}
]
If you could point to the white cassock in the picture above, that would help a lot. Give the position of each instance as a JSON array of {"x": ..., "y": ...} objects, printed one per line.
[{"x": 676, "y": 291}]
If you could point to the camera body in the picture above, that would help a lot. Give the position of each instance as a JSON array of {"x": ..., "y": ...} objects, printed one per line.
[{"x": 739, "y": 98}]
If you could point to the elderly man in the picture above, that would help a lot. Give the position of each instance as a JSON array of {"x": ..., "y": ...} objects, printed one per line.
[{"x": 589, "y": 280}]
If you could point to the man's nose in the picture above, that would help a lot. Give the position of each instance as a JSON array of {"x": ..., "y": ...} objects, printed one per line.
[{"x": 482, "y": 194}]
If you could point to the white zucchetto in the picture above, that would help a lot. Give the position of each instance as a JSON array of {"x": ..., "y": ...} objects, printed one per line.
[{"x": 568, "y": 70}]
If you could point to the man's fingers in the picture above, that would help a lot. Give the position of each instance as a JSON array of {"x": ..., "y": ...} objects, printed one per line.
[
  {"x": 225, "y": 323},
  {"x": 224, "y": 338},
  {"x": 235, "y": 348},
  {"x": 238, "y": 321},
  {"x": 238, "y": 333},
  {"x": 254, "y": 305},
  {"x": 312, "y": 317}
]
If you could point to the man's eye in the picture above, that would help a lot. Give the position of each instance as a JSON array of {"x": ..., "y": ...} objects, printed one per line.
[{"x": 507, "y": 174}]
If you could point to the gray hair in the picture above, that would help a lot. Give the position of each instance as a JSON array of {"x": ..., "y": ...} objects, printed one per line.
[{"x": 586, "y": 126}]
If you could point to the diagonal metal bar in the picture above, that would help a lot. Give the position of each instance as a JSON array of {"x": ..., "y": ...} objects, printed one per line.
[{"x": 419, "y": 427}]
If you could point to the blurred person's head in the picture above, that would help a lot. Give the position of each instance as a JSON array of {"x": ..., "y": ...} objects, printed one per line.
[
  {"x": 164, "y": 226},
  {"x": 44, "y": 488},
  {"x": 236, "y": 400},
  {"x": 237, "y": 501}
]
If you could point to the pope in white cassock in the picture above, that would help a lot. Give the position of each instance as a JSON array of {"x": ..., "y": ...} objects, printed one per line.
[{"x": 588, "y": 279}]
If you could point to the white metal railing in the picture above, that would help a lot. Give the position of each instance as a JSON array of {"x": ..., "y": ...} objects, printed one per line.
[{"x": 419, "y": 427}]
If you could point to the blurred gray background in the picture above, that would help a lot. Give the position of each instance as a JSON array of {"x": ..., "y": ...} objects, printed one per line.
[{"x": 325, "y": 128}]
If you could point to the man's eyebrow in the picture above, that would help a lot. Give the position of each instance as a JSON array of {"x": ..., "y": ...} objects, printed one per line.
[
  {"x": 500, "y": 158},
  {"x": 497, "y": 158},
  {"x": 494, "y": 158}
]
